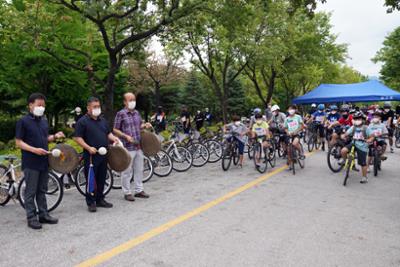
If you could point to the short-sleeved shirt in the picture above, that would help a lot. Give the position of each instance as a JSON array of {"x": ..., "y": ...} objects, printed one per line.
[
  {"x": 278, "y": 120},
  {"x": 94, "y": 132},
  {"x": 386, "y": 116},
  {"x": 346, "y": 122},
  {"x": 35, "y": 132},
  {"x": 239, "y": 129},
  {"x": 293, "y": 123},
  {"x": 359, "y": 134},
  {"x": 185, "y": 117},
  {"x": 333, "y": 117},
  {"x": 130, "y": 123},
  {"x": 377, "y": 129},
  {"x": 260, "y": 129},
  {"x": 319, "y": 117}
]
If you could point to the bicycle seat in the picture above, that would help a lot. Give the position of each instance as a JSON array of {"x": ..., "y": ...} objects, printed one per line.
[{"x": 10, "y": 158}]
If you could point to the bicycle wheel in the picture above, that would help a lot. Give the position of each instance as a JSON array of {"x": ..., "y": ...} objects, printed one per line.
[
  {"x": 148, "y": 170},
  {"x": 397, "y": 142},
  {"x": 226, "y": 157},
  {"x": 162, "y": 164},
  {"x": 182, "y": 158},
  {"x": 349, "y": 162},
  {"x": 311, "y": 143},
  {"x": 235, "y": 155},
  {"x": 300, "y": 158},
  {"x": 5, "y": 184},
  {"x": 259, "y": 158},
  {"x": 376, "y": 162},
  {"x": 215, "y": 149},
  {"x": 334, "y": 158},
  {"x": 250, "y": 151},
  {"x": 117, "y": 180},
  {"x": 200, "y": 154},
  {"x": 54, "y": 195},
  {"x": 271, "y": 154},
  {"x": 80, "y": 181}
]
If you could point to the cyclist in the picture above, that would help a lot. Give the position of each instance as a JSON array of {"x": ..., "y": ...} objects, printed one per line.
[
  {"x": 387, "y": 119},
  {"x": 294, "y": 124},
  {"x": 253, "y": 117},
  {"x": 277, "y": 124},
  {"x": 376, "y": 129},
  {"x": 345, "y": 121},
  {"x": 239, "y": 131},
  {"x": 358, "y": 133},
  {"x": 318, "y": 119},
  {"x": 330, "y": 124},
  {"x": 260, "y": 130}
]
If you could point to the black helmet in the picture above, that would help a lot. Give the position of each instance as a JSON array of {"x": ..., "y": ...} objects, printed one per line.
[
  {"x": 358, "y": 115},
  {"x": 387, "y": 105}
]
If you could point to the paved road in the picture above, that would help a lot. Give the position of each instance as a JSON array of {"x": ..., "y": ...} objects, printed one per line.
[{"x": 305, "y": 220}]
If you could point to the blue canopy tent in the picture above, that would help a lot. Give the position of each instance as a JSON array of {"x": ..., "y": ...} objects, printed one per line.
[{"x": 357, "y": 92}]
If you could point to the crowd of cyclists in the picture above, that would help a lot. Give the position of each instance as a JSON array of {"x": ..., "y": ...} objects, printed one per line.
[{"x": 331, "y": 125}]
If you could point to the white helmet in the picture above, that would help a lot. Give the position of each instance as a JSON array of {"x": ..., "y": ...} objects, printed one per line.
[
  {"x": 78, "y": 110},
  {"x": 313, "y": 105},
  {"x": 275, "y": 108}
]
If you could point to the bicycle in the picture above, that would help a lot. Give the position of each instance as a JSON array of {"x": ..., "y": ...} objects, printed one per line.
[
  {"x": 199, "y": 151},
  {"x": 263, "y": 155},
  {"x": 350, "y": 161},
  {"x": 181, "y": 157},
  {"x": 376, "y": 152},
  {"x": 314, "y": 140},
  {"x": 334, "y": 157},
  {"x": 230, "y": 152},
  {"x": 397, "y": 135},
  {"x": 295, "y": 157},
  {"x": 13, "y": 186}
]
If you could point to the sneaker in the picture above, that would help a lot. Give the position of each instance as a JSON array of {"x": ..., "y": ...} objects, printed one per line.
[
  {"x": 104, "y": 204},
  {"x": 92, "y": 208},
  {"x": 129, "y": 198},
  {"x": 364, "y": 180},
  {"x": 391, "y": 150},
  {"x": 142, "y": 195},
  {"x": 34, "y": 224},
  {"x": 383, "y": 158},
  {"x": 48, "y": 219},
  {"x": 369, "y": 169}
]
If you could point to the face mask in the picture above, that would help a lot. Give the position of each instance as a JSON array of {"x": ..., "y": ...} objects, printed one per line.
[
  {"x": 237, "y": 123},
  {"x": 258, "y": 121},
  {"x": 333, "y": 111},
  {"x": 276, "y": 113},
  {"x": 131, "y": 104},
  {"x": 345, "y": 116},
  {"x": 357, "y": 122},
  {"x": 292, "y": 111},
  {"x": 375, "y": 120},
  {"x": 38, "y": 111},
  {"x": 387, "y": 110},
  {"x": 96, "y": 112},
  {"x": 319, "y": 111}
]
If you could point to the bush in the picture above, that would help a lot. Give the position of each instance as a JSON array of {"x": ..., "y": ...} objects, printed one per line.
[{"x": 7, "y": 126}]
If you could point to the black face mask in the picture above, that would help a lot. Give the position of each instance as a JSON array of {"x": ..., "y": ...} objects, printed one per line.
[{"x": 345, "y": 116}]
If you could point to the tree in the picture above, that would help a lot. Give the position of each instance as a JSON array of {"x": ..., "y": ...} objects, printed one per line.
[
  {"x": 236, "y": 97},
  {"x": 124, "y": 26},
  {"x": 194, "y": 95},
  {"x": 392, "y": 5},
  {"x": 389, "y": 55}
]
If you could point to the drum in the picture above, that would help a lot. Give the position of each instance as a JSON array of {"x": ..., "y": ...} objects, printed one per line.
[
  {"x": 68, "y": 160},
  {"x": 118, "y": 158},
  {"x": 149, "y": 143}
]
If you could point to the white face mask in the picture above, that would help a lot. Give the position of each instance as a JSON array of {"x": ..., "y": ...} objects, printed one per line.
[
  {"x": 96, "y": 112},
  {"x": 38, "y": 111},
  {"x": 333, "y": 111},
  {"x": 387, "y": 110},
  {"x": 237, "y": 123},
  {"x": 357, "y": 122},
  {"x": 375, "y": 120},
  {"x": 131, "y": 104},
  {"x": 292, "y": 111}
]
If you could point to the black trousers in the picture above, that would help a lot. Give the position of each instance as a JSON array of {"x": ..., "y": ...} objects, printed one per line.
[
  {"x": 36, "y": 189},
  {"x": 100, "y": 174}
]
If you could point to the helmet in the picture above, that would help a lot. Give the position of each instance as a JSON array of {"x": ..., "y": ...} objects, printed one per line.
[
  {"x": 387, "y": 105},
  {"x": 321, "y": 107},
  {"x": 358, "y": 115},
  {"x": 275, "y": 108},
  {"x": 313, "y": 105},
  {"x": 257, "y": 110},
  {"x": 78, "y": 110},
  {"x": 345, "y": 108},
  {"x": 334, "y": 107}
]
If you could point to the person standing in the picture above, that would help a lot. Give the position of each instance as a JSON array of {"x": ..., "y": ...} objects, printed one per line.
[
  {"x": 199, "y": 119},
  {"x": 387, "y": 119},
  {"x": 185, "y": 119},
  {"x": 32, "y": 138},
  {"x": 91, "y": 133},
  {"x": 208, "y": 116},
  {"x": 160, "y": 120},
  {"x": 127, "y": 126}
]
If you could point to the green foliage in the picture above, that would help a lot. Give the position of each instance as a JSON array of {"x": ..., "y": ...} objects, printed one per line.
[
  {"x": 236, "y": 98},
  {"x": 389, "y": 55},
  {"x": 392, "y": 5},
  {"x": 7, "y": 126}
]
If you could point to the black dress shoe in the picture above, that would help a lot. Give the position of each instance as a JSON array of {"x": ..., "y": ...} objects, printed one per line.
[
  {"x": 104, "y": 204},
  {"x": 92, "y": 208},
  {"x": 48, "y": 219},
  {"x": 34, "y": 224}
]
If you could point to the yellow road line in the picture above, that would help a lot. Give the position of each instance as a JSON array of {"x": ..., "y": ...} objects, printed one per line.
[{"x": 101, "y": 258}]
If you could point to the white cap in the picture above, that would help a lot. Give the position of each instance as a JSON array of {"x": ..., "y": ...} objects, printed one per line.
[
  {"x": 275, "y": 108},
  {"x": 78, "y": 110}
]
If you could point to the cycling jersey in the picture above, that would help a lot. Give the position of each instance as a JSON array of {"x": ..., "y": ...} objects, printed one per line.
[
  {"x": 239, "y": 130},
  {"x": 346, "y": 122},
  {"x": 333, "y": 117},
  {"x": 319, "y": 117},
  {"x": 293, "y": 123},
  {"x": 260, "y": 129},
  {"x": 359, "y": 134},
  {"x": 377, "y": 129}
]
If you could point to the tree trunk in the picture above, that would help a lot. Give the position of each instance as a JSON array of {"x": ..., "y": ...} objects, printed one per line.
[
  {"x": 271, "y": 87},
  {"x": 109, "y": 89},
  {"x": 157, "y": 94}
]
